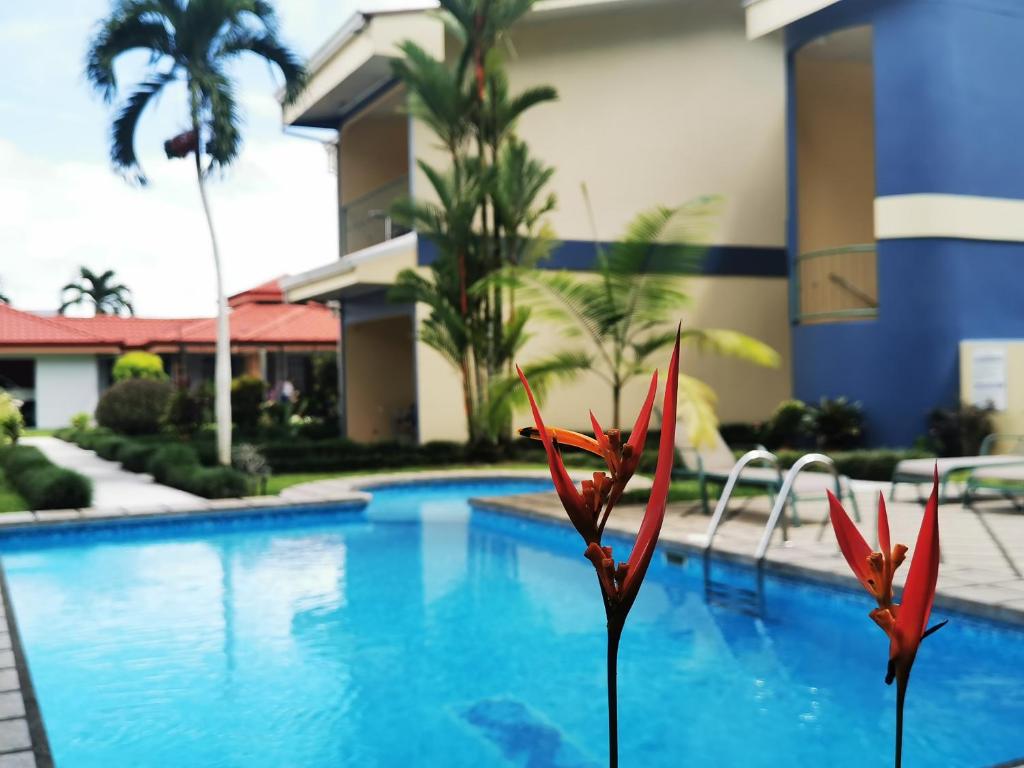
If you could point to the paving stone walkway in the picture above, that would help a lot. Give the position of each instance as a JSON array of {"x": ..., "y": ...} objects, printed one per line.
[{"x": 114, "y": 488}]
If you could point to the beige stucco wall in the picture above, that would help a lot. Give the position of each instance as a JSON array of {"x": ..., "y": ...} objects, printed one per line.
[
  {"x": 379, "y": 376},
  {"x": 835, "y": 151}
]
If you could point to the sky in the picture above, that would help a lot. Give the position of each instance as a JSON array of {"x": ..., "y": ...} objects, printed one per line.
[{"x": 62, "y": 206}]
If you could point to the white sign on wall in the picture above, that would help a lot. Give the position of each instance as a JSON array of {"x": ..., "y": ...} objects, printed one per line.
[{"x": 988, "y": 376}]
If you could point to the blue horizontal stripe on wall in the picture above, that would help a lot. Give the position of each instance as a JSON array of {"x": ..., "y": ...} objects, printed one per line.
[{"x": 719, "y": 260}]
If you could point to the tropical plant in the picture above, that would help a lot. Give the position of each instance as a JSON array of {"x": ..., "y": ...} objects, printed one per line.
[
  {"x": 247, "y": 396},
  {"x": 98, "y": 290},
  {"x": 185, "y": 412},
  {"x": 192, "y": 41},
  {"x": 139, "y": 365},
  {"x": 590, "y": 507},
  {"x": 487, "y": 214},
  {"x": 624, "y": 311},
  {"x": 836, "y": 423},
  {"x": 11, "y": 422}
]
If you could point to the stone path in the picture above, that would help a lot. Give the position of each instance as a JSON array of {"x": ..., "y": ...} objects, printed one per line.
[{"x": 113, "y": 487}]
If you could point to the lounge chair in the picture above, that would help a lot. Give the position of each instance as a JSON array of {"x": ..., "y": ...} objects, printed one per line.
[
  {"x": 713, "y": 462},
  {"x": 1005, "y": 481},
  {"x": 919, "y": 471}
]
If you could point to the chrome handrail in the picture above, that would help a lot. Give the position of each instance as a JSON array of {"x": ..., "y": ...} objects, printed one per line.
[
  {"x": 787, "y": 489},
  {"x": 730, "y": 485}
]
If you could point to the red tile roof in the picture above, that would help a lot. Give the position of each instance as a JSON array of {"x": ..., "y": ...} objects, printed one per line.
[{"x": 257, "y": 317}]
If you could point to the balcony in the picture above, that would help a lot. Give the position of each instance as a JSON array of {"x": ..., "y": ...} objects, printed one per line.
[
  {"x": 367, "y": 220},
  {"x": 836, "y": 285}
]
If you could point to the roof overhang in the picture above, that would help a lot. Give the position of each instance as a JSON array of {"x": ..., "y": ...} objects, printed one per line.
[
  {"x": 766, "y": 16},
  {"x": 357, "y": 274},
  {"x": 354, "y": 66}
]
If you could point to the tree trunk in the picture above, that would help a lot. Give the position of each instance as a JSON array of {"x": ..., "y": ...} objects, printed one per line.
[
  {"x": 222, "y": 378},
  {"x": 616, "y": 404}
]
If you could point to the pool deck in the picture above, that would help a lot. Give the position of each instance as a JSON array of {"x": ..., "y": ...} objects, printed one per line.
[{"x": 982, "y": 572}]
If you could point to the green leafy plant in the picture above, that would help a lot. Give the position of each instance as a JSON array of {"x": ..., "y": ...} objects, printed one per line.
[
  {"x": 836, "y": 424},
  {"x": 959, "y": 431},
  {"x": 12, "y": 424},
  {"x": 625, "y": 312},
  {"x": 80, "y": 421},
  {"x": 185, "y": 412},
  {"x": 139, "y": 365},
  {"x": 98, "y": 290},
  {"x": 787, "y": 426},
  {"x": 194, "y": 43},
  {"x": 489, "y": 210},
  {"x": 134, "y": 406},
  {"x": 247, "y": 396}
]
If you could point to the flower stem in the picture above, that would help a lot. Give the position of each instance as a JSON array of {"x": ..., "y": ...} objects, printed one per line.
[
  {"x": 901, "y": 695},
  {"x": 614, "y": 633}
]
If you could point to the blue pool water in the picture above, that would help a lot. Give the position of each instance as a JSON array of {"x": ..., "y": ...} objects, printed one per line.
[{"x": 419, "y": 633}]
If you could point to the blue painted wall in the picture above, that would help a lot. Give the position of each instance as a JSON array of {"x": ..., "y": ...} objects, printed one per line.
[{"x": 949, "y": 117}]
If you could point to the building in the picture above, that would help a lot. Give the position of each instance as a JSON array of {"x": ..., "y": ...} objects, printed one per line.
[
  {"x": 59, "y": 366},
  {"x": 868, "y": 151},
  {"x": 659, "y": 102}
]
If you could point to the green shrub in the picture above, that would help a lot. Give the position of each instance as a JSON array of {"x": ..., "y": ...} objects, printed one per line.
[
  {"x": 139, "y": 365},
  {"x": 109, "y": 447},
  {"x": 960, "y": 431},
  {"x": 53, "y": 487},
  {"x": 787, "y": 427},
  {"x": 876, "y": 464},
  {"x": 134, "y": 406},
  {"x": 80, "y": 422},
  {"x": 22, "y": 458},
  {"x": 247, "y": 395},
  {"x": 12, "y": 424},
  {"x": 216, "y": 482},
  {"x": 135, "y": 456},
  {"x": 836, "y": 424},
  {"x": 170, "y": 462},
  {"x": 185, "y": 412},
  {"x": 42, "y": 484}
]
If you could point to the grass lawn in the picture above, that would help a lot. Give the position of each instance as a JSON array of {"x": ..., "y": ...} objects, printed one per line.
[
  {"x": 682, "y": 490},
  {"x": 10, "y": 501}
]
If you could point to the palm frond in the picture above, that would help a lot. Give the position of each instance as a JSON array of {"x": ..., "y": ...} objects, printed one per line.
[
  {"x": 132, "y": 26},
  {"x": 733, "y": 344},
  {"x": 506, "y": 395},
  {"x": 267, "y": 46},
  {"x": 697, "y": 410},
  {"x": 122, "y": 130}
]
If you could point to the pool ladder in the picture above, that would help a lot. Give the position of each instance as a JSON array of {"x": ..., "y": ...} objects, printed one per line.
[{"x": 752, "y": 600}]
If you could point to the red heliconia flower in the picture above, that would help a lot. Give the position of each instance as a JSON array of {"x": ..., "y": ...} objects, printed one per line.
[
  {"x": 905, "y": 623},
  {"x": 589, "y": 506}
]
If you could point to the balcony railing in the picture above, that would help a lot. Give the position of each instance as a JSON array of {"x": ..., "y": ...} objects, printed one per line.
[
  {"x": 367, "y": 220},
  {"x": 837, "y": 284}
]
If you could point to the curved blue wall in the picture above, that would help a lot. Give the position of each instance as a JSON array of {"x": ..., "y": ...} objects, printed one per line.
[{"x": 949, "y": 118}]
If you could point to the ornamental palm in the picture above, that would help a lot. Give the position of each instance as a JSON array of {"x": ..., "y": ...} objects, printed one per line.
[
  {"x": 191, "y": 41},
  {"x": 105, "y": 296},
  {"x": 625, "y": 312}
]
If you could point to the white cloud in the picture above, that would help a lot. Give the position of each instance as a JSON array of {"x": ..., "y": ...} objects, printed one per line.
[{"x": 275, "y": 213}]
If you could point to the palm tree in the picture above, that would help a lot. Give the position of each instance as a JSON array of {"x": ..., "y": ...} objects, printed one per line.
[
  {"x": 191, "y": 41},
  {"x": 3, "y": 296},
  {"x": 105, "y": 296},
  {"x": 629, "y": 311}
]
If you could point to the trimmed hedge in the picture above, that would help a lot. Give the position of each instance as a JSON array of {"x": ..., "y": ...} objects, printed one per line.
[
  {"x": 877, "y": 464},
  {"x": 134, "y": 406},
  {"x": 41, "y": 483}
]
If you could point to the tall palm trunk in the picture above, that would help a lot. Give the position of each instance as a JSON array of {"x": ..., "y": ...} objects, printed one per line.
[{"x": 222, "y": 375}]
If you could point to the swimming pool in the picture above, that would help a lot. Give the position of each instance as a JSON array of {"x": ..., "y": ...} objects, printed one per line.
[{"x": 421, "y": 633}]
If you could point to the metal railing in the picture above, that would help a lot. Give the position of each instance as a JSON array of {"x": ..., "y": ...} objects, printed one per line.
[
  {"x": 367, "y": 220},
  {"x": 837, "y": 284}
]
